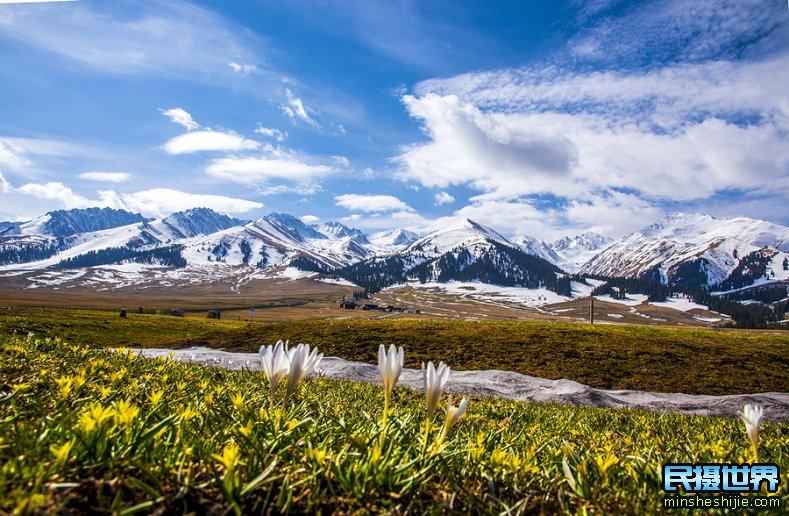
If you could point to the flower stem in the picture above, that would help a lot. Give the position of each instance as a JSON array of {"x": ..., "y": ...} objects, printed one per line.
[{"x": 427, "y": 434}]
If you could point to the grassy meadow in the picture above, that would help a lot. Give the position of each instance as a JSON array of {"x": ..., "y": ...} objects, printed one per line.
[
  {"x": 86, "y": 429},
  {"x": 603, "y": 356}
]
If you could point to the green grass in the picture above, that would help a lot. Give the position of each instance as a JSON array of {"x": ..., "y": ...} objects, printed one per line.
[
  {"x": 603, "y": 356},
  {"x": 85, "y": 429}
]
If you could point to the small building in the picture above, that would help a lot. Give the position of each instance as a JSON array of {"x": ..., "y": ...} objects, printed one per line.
[
  {"x": 347, "y": 305},
  {"x": 213, "y": 314},
  {"x": 370, "y": 306}
]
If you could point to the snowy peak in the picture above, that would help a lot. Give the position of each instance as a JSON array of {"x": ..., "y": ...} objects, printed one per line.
[
  {"x": 537, "y": 248},
  {"x": 394, "y": 238},
  {"x": 460, "y": 234},
  {"x": 293, "y": 227},
  {"x": 336, "y": 230},
  {"x": 571, "y": 253},
  {"x": 63, "y": 223},
  {"x": 679, "y": 240},
  {"x": 198, "y": 221},
  {"x": 588, "y": 241}
]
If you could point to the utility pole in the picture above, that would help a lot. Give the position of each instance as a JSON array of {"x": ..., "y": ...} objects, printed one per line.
[{"x": 591, "y": 309}]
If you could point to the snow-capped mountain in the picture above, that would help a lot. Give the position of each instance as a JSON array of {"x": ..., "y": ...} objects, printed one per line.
[
  {"x": 465, "y": 251},
  {"x": 571, "y": 253},
  {"x": 64, "y": 223},
  {"x": 538, "y": 248},
  {"x": 273, "y": 242},
  {"x": 195, "y": 237},
  {"x": 338, "y": 231},
  {"x": 393, "y": 239},
  {"x": 293, "y": 227},
  {"x": 194, "y": 222},
  {"x": 685, "y": 245}
]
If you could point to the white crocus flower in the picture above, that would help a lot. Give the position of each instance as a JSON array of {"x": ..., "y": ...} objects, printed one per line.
[
  {"x": 390, "y": 365},
  {"x": 752, "y": 417},
  {"x": 302, "y": 363},
  {"x": 275, "y": 363},
  {"x": 453, "y": 415},
  {"x": 435, "y": 379}
]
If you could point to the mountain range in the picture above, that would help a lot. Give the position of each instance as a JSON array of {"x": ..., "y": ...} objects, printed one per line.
[{"x": 685, "y": 250}]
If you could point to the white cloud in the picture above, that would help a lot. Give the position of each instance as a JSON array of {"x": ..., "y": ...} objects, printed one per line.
[
  {"x": 200, "y": 141},
  {"x": 155, "y": 202},
  {"x": 443, "y": 198},
  {"x": 243, "y": 69},
  {"x": 17, "y": 153},
  {"x": 610, "y": 147},
  {"x": 12, "y": 156},
  {"x": 260, "y": 170},
  {"x": 107, "y": 177},
  {"x": 380, "y": 221},
  {"x": 174, "y": 38},
  {"x": 295, "y": 109},
  {"x": 310, "y": 219},
  {"x": 56, "y": 191},
  {"x": 489, "y": 152},
  {"x": 274, "y": 133},
  {"x": 341, "y": 160},
  {"x": 371, "y": 203},
  {"x": 159, "y": 202},
  {"x": 5, "y": 186},
  {"x": 181, "y": 117}
]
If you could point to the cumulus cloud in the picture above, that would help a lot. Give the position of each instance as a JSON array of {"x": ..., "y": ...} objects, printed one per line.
[
  {"x": 310, "y": 219},
  {"x": 371, "y": 203},
  {"x": 155, "y": 202},
  {"x": 56, "y": 191},
  {"x": 615, "y": 145},
  {"x": 181, "y": 117},
  {"x": 106, "y": 177},
  {"x": 443, "y": 198},
  {"x": 202, "y": 141},
  {"x": 406, "y": 219},
  {"x": 159, "y": 202},
  {"x": 295, "y": 110},
  {"x": 261, "y": 170}
]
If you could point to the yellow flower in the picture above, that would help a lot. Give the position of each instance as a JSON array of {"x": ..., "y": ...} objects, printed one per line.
[
  {"x": 94, "y": 417},
  {"x": 318, "y": 455},
  {"x": 237, "y": 399},
  {"x": 156, "y": 396},
  {"x": 68, "y": 384},
  {"x": 188, "y": 413},
  {"x": 230, "y": 456},
  {"x": 62, "y": 452},
  {"x": 604, "y": 463},
  {"x": 246, "y": 430},
  {"x": 125, "y": 412}
]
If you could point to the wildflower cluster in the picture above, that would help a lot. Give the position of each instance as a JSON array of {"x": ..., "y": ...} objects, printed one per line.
[
  {"x": 84, "y": 429},
  {"x": 281, "y": 362}
]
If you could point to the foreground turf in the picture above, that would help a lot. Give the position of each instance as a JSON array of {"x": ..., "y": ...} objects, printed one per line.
[
  {"x": 607, "y": 357},
  {"x": 86, "y": 429}
]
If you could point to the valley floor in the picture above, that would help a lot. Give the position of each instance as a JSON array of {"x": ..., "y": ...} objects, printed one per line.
[{"x": 647, "y": 358}]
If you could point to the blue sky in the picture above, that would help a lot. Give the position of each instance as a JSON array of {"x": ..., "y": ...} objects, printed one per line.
[{"x": 537, "y": 118}]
